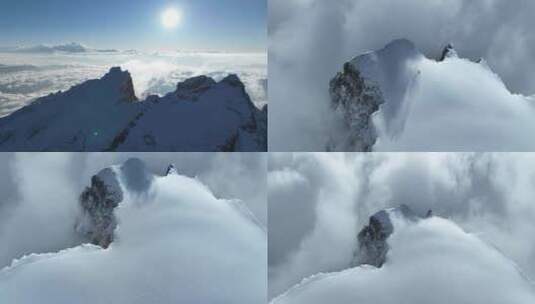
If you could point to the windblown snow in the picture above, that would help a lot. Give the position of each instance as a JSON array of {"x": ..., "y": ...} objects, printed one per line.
[
  {"x": 174, "y": 243},
  {"x": 430, "y": 261},
  {"x": 466, "y": 222},
  {"x": 422, "y": 104}
]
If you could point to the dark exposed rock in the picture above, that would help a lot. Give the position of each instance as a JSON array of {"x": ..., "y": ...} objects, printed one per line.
[
  {"x": 448, "y": 51},
  {"x": 372, "y": 239},
  {"x": 357, "y": 99},
  {"x": 97, "y": 221},
  {"x": 193, "y": 87},
  {"x": 171, "y": 170}
]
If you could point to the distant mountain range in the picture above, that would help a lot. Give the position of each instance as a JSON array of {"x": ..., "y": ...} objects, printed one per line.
[{"x": 72, "y": 47}]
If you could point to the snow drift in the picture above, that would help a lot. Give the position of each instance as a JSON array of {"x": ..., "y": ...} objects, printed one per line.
[
  {"x": 174, "y": 243},
  {"x": 105, "y": 115},
  {"x": 429, "y": 261},
  {"x": 319, "y": 203},
  {"x": 396, "y": 99}
]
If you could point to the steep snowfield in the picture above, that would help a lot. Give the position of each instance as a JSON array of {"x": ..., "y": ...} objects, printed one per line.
[
  {"x": 86, "y": 117},
  {"x": 428, "y": 105},
  {"x": 104, "y": 115},
  {"x": 430, "y": 261},
  {"x": 174, "y": 243}
]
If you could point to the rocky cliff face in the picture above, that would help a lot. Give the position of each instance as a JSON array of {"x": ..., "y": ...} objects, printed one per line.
[
  {"x": 171, "y": 170},
  {"x": 448, "y": 52},
  {"x": 356, "y": 99},
  {"x": 370, "y": 84},
  {"x": 372, "y": 239},
  {"x": 109, "y": 188},
  {"x": 97, "y": 221}
]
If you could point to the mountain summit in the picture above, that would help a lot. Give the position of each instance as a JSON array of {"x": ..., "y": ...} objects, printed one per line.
[
  {"x": 105, "y": 115},
  {"x": 396, "y": 99}
]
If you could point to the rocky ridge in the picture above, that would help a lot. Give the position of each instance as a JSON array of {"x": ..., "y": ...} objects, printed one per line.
[
  {"x": 372, "y": 239},
  {"x": 105, "y": 115}
]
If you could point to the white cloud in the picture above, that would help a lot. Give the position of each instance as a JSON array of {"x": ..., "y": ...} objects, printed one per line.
[
  {"x": 433, "y": 261},
  {"x": 42, "y": 219},
  {"x": 448, "y": 112},
  {"x": 43, "y": 189},
  {"x": 310, "y": 40},
  {"x": 177, "y": 244},
  {"x": 489, "y": 195}
]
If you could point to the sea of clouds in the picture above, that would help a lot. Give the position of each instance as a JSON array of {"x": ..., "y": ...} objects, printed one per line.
[
  {"x": 318, "y": 202},
  {"x": 25, "y": 76}
]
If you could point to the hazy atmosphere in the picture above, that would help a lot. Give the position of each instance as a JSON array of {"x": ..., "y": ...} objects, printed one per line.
[
  {"x": 482, "y": 207},
  {"x": 310, "y": 40},
  {"x": 101, "y": 67},
  {"x": 60, "y": 230}
]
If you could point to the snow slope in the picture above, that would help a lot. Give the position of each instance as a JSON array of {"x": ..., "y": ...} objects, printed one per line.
[
  {"x": 104, "y": 115},
  {"x": 174, "y": 243},
  {"x": 422, "y": 104},
  {"x": 430, "y": 261}
]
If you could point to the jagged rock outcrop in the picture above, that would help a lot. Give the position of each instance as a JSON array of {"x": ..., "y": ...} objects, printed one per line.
[
  {"x": 171, "y": 170},
  {"x": 448, "y": 52},
  {"x": 105, "y": 115},
  {"x": 372, "y": 239},
  {"x": 357, "y": 99},
  {"x": 369, "y": 83},
  {"x": 97, "y": 221},
  {"x": 193, "y": 87}
]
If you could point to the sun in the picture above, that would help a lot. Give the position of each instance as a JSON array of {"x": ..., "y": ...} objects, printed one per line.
[{"x": 171, "y": 18}]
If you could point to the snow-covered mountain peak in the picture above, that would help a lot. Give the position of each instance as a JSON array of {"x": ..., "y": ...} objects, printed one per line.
[
  {"x": 193, "y": 87},
  {"x": 367, "y": 83},
  {"x": 72, "y": 47},
  {"x": 181, "y": 239},
  {"x": 430, "y": 261},
  {"x": 124, "y": 79},
  {"x": 396, "y": 99},
  {"x": 102, "y": 115},
  {"x": 373, "y": 64},
  {"x": 233, "y": 80}
]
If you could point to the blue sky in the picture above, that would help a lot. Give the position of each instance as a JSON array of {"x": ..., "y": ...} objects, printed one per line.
[{"x": 135, "y": 24}]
